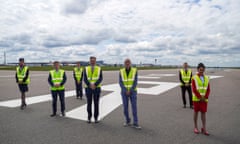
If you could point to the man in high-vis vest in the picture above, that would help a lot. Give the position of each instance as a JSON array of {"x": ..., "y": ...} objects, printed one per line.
[
  {"x": 93, "y": 78},
  {"x": 23, "y": 79},
  {"x": 201, "y": 91},
  {"x": 128, "y": 78},
  {"x": 57, "y": 79},
  {"x": 185, "y": 77},
  {"x": 78, "y": 75}
]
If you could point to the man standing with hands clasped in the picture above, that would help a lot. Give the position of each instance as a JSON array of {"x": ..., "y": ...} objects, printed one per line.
[
  {"x": 77, "y": 75},
  {"x": 93, "y": 79},
  {"x": 57, "y": 79},
  {"x": 128, "y": 82},
  {"x": 185, "y": 77}
]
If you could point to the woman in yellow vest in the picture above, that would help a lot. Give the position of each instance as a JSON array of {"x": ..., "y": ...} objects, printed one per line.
[
  {"x": 77, "y": 75},
  {"x": 201, "y": 91},
  {"x": 23, "y": 79}
]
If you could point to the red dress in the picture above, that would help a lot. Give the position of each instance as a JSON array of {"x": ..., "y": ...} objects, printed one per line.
[{"x": 200, "y": 106}]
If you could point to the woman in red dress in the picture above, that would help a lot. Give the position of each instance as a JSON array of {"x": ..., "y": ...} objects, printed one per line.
[{"x": 201, "y": 90}]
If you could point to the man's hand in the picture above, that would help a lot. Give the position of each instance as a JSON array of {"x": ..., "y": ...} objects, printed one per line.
[
  {"x": 92, "y": 86},
  {"x": 20, "y": 81},
  {"x": 128, "y": 93},
  {"x": 56, "y": 85}
]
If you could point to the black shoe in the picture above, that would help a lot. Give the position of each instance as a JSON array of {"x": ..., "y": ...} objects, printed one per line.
[
  {"x": 191, "y": 107},
  {"x": 22, "y": 107},
  {"x": 184, "y": 106},
  {"x": 81, "y": 98},
  {"x": 126, "y": 124},
  {"x": 136, "y": 126},
  {"x": 63, "y": 114},
  {"x": 52, "y": 115},
  {"x": 89, "y": 121},
  {"x": 96, "y": 121}
]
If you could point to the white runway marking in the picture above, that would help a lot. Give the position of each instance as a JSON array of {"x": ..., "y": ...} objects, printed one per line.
[
  {"x": 148, "y": 77},
  {"x": 31, "y": 75},
  {"x": 32, "y": 100},
  {"x": 113, "y": 100},
  {"x": 163, "y": 75},
  {"x": 213, "y": 77}
]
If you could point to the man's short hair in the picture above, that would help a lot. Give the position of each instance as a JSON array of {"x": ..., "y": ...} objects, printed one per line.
[
  {"x": 56, "y": 62},
  {"x": 21, "y": 59},
  {"x": 127, "y": 60},
  {"x": 93, "y": 57}
]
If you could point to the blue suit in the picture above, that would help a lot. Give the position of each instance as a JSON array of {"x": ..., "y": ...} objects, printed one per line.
[
  {"x": 133, "y": 100},
  {"x": 92, "y": 95}
]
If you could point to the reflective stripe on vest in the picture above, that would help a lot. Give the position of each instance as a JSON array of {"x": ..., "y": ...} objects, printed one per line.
[
  {"x": 22, "y": 73},
  {"x": 201, "y": 87},
  {"x": 185, "y": 76},
  {"x": 93, "y": 76},
  {"x": 78, "y": 73},
  {"x": 57, "y": 78},
  {"x": 128, "y": 81}
]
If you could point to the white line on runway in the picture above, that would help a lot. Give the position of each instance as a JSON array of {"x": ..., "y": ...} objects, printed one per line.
[
  {"x": 32, "y": 100},
  {"x": 160, "y": 75},
  {"x": 148, "y": 77},
  {"x": 213, "y": 76},
  {"x": 113, "y": 100},
  {"x": 32, "y": 75}
]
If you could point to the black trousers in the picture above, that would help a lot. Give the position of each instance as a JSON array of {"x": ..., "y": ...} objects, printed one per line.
[
  {"x": 79, "y": 92},
  {"x": 189, "y": 90},
  {"x": 54, "y": 102},
  {"x": 93, "y": 95}
]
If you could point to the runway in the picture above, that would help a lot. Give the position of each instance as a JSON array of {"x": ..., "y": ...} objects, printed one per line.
[{"x": 161, "y": 115}]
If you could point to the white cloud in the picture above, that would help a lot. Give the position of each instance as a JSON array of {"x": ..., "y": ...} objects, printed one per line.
[{"x": 172, "y": 31}]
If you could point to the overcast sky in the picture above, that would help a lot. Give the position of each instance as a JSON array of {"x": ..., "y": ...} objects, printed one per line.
[{"x": 171, "y": 31}]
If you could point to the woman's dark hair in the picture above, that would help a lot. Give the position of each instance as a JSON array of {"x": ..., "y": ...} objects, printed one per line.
[{"x": 201, "y": 65}]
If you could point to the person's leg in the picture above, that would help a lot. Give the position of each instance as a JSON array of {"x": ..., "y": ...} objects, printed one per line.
[
  {"x": 96, "y": 96},
  {"x": 125, "y": 107},
  {"x": 133, "y": 99},
  {"x": 203, "y": 117},
  {"x": 183, "y": 88},
  {"x": 23, "y": 88},
  {"x": 80, "y": 91},
  {"x": 54, "y": 102},
  {"x": 195, "y": 117},
  {"x": 62, "y": 101},
  {"x": 77, "y": 89},
  {"x": 189, "y": 89},
  {"x": 89, "y": 103}
]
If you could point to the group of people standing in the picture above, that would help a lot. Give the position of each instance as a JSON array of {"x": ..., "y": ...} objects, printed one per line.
[
  {"x": 197, "y": 86},
  {"x": 92, "y": 77}
]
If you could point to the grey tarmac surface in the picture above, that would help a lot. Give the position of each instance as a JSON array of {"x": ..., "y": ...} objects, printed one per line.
[{"x": 162, "y": 117}]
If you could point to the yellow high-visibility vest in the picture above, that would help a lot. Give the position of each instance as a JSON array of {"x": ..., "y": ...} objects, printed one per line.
[
  {"x": 201, "y": 87},
  {"x": 57, "y": 78},
  {"x": 22, "y": 73},
  {"x": 186, "y": 76},
  {"x": 128, "y": 80},
  {"x": 78, "y": 73},
  {"x": 93, "y": 76}
]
